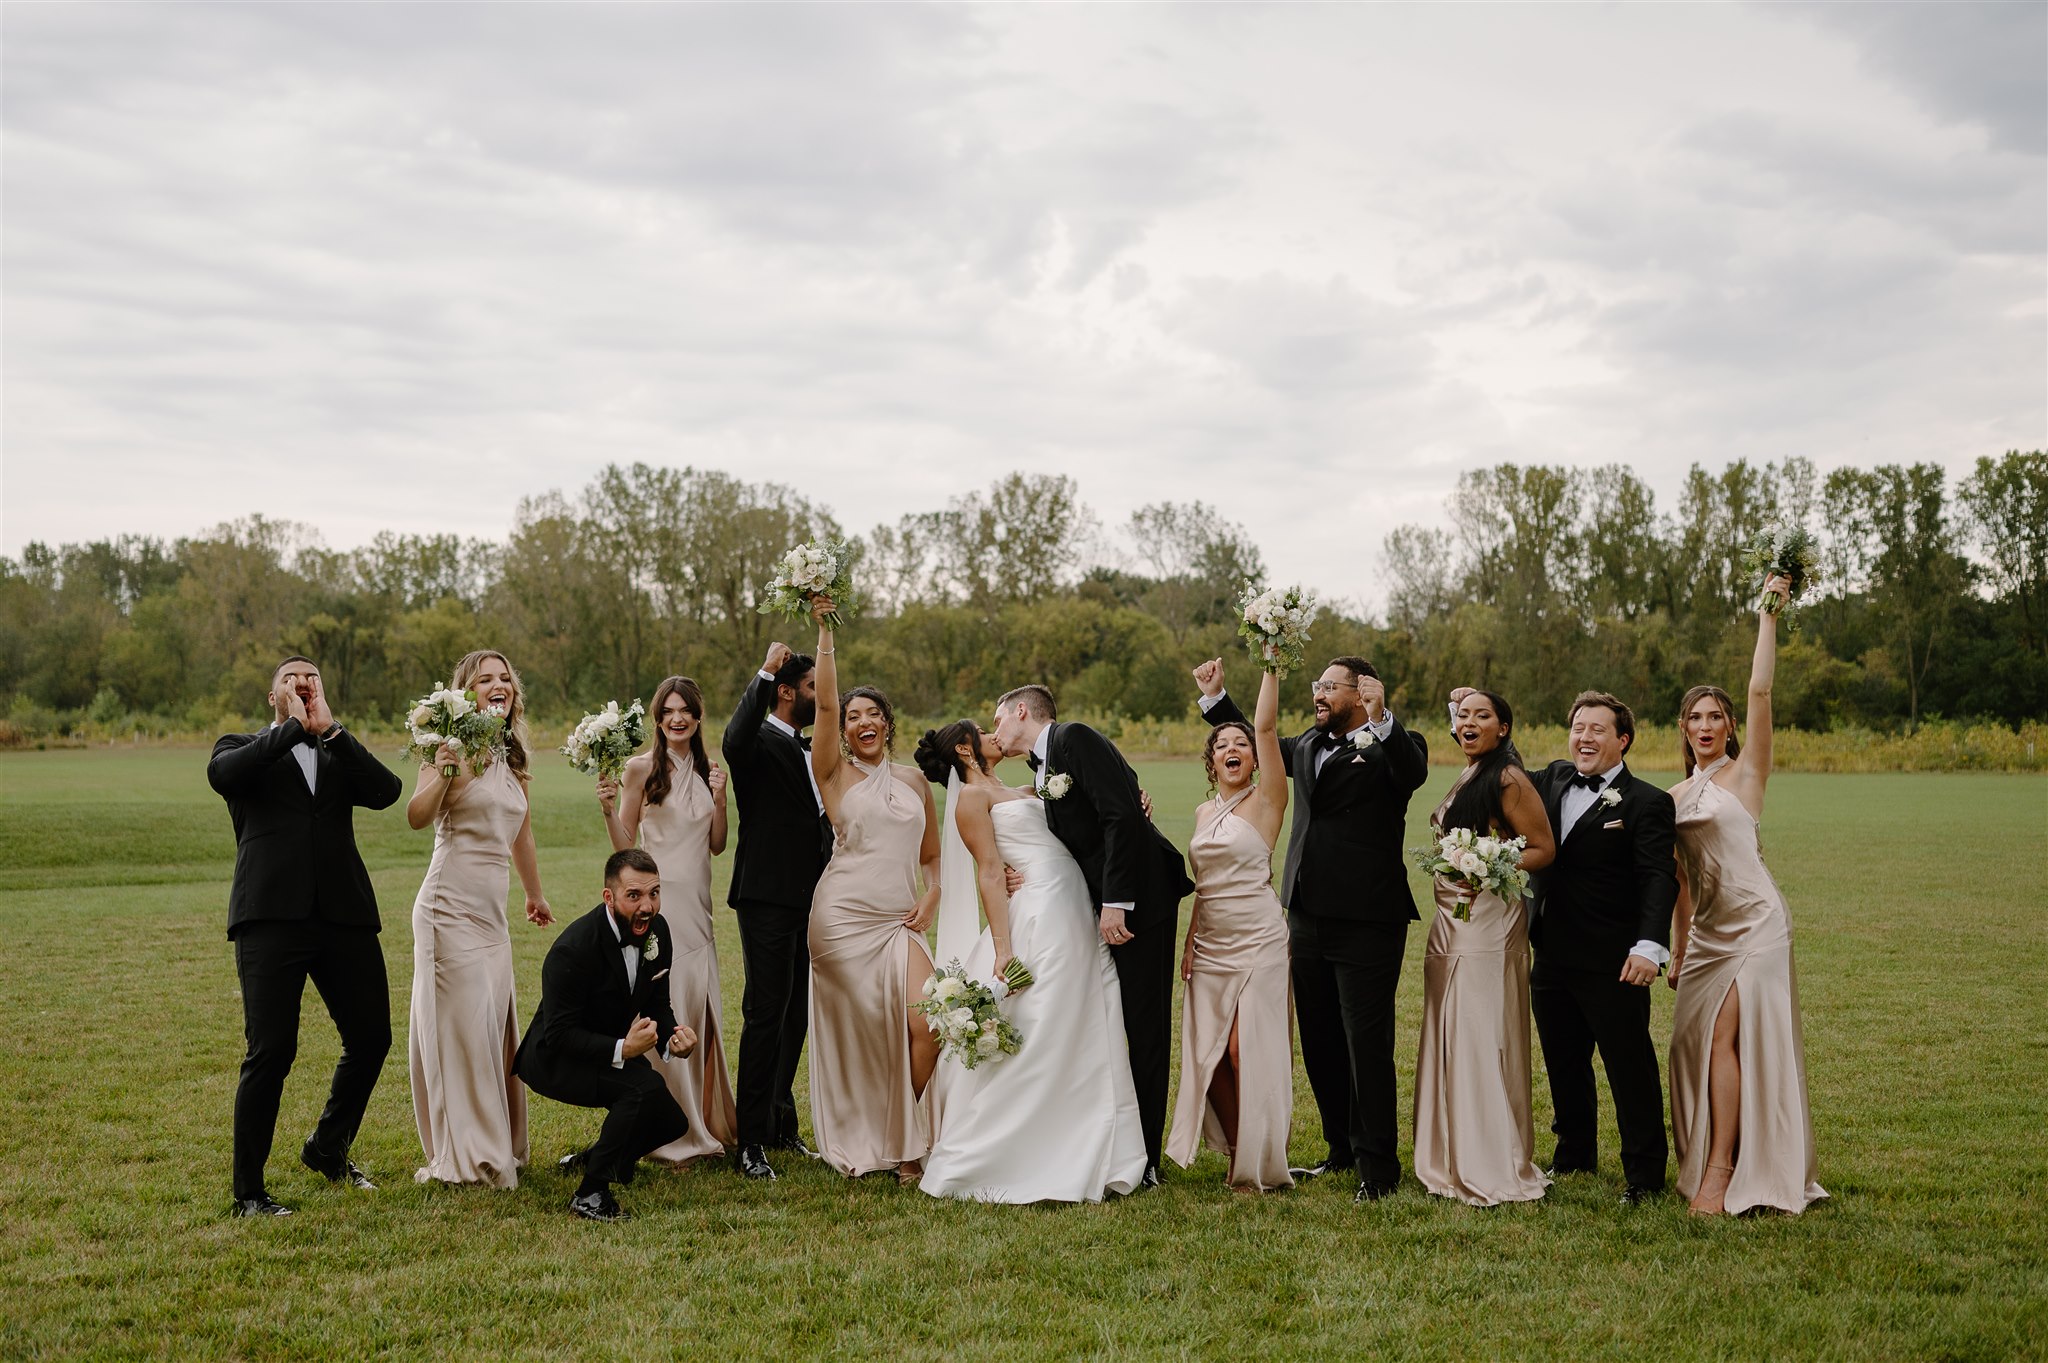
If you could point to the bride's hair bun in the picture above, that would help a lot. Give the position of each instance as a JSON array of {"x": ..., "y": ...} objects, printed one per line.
[{"x": 934, "y": 761}]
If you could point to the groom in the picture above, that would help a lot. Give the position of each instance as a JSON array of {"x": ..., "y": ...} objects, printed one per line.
[{"x": 1136, "y": 877}]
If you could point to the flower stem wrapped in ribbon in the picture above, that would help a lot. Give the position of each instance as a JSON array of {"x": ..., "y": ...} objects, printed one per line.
[
  {"x": 1792, "y": 551},
  {"x": 1474, "y": 864},
  {"x": 601, "y": 742},
  {"x": 453, "y": 717},
  {"x": 807, "y": 572},
  {"x": 967, "y": 1018},
  {"x": 1274, "y": 625}
]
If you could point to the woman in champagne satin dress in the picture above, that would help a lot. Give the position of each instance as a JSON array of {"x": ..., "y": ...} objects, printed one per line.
[
  {"x": 468, "y": 1104},
  {"x": 1740, "y": 1122},
  {"x": 671, "y": 801},
  {"x": 871, "y": 1055},
  {"x": 1236, "y": 1041},
  {"x": 1475, "y": 1139}
]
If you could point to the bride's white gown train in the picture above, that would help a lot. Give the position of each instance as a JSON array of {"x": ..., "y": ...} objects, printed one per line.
[{"x": 1057, "y": 1121}]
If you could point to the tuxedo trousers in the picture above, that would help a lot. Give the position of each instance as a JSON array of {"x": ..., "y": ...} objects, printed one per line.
[
  {"x": 1577, "y": 1010},
  {"x": 1345, "y": 972},
  {"x": 775, "y": 1015},
  {"x": 1144, "y": 981},
  {"x": 640, "y": 1115},
  {"x": 273, "y": 960}
]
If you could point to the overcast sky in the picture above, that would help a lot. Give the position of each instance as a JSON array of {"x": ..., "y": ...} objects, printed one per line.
[{"x": 396, "y": 267}]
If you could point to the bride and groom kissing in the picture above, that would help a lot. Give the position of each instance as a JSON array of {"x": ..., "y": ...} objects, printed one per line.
[{"x": 1094, "y": 914}]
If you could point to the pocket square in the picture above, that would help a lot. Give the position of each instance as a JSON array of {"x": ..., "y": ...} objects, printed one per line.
[
  {"x": 1358, "y": 759},
  {"x": 1604, "y": 826},
  {"x": 659, "y": 973}
]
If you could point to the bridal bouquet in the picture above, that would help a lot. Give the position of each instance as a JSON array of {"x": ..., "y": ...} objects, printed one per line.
[
  {"x": 806, "y": 573},
  {"x": 966, "y": 1017},
  {"x": 1475, "y": 864},
  {"x": 1275, "y": 626},
  {"x": 453, "y": 717},
  {"x": 1791, "y": 549},
  {"x": 601, "y": 743}
]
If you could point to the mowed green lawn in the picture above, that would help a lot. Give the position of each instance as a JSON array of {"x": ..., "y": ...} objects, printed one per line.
[{"x": 1918, "y": 909}]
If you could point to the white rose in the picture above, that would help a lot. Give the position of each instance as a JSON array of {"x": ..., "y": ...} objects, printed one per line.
[
  {"x": 420, "y": 717},
  {"x": 962, "y": 1018},
  {"x": 987, "y": 1044},
  {"x": 1058, "y": 784}
]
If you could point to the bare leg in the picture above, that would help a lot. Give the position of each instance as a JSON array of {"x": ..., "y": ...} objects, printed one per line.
[
  {"x": 1724, "y": 1108},
  {"x": 1223, "y": 1092},
  {"x": 924, "y": 1044}
]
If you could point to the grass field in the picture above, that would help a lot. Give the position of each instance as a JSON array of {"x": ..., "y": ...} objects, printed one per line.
[{"x": 1918, "y": 909}]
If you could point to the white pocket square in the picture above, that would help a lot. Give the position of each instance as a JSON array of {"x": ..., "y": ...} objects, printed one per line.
[
  {"x": 659, "y": 973},
  {"x": 1615, "y": 824}
]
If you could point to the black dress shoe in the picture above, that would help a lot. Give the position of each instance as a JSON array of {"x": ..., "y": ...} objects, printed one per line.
[
  {"x": 263, "y": 1204},
  {"x": 753, "y": 1162},
  {"x": 1635, "y": 1195},
  {"x": 1151, "y": 1177},
  {"x": 1368, "y": 1191},
  {"x": 1561, "y": 1170},
  {"x": 571, "y": 1162},
  {"x": 342, "y": 1170},
  {"x": 599, "y": 1206},
  {"x": 795, "y": 1145},
  {"x": 1317, "y": 1170}
]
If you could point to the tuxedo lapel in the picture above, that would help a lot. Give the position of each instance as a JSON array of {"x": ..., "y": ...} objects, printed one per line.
[
  {"x": 1591, "y": 818},
  {"x": 1555, "y": 785},
  {"x": 614, "y": 951}
]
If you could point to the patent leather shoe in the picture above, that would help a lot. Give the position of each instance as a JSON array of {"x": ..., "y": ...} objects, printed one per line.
[
  {"x": 753, "y": 1162},
  {"x": 263, "y": 1204},
  {"x": 599, "y": 1206}
]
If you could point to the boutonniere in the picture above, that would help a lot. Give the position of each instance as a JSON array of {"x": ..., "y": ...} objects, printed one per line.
[
  {"x": 1365, "y": 741},
  {"x": 1057, "y": 784},
  {"x": 651, "y": 948},
  {"x": 1609, "y": 798}
]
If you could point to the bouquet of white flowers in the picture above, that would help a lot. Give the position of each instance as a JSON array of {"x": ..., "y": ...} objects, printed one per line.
[
  {"x": 1791, "y": 549},
  {"x": 1475, "y": 864},
  {"x": 806, "y": 573},
  {"x": 1275, "y": 626},
  {"x": 965, "y": 1015},
  {"x": 601, "y": 743},
  {"x": 453, "y": 717}
]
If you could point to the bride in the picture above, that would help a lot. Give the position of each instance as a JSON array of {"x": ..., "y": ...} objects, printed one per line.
[{"x": 1057, "y": 1121}]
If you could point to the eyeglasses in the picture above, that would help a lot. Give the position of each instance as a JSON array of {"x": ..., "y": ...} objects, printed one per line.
[{"x": 1326, "y": 688}]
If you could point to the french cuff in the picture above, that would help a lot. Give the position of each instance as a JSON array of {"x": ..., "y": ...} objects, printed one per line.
[
  {"x": 619, "y": 1054},
  {"x": 1652, "y": 952},
  {"x": 1125, "y": 907},
  {"x": 1209, "y": 703},
  {"x": 765, "y": 675},
  {"x": 1383, "y": 726}
]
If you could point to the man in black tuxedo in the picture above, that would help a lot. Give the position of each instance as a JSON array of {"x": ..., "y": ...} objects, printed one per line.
[
  {"x": 1601, "y": 926},
  {"x": 1348, "y": 904},
  {"x": 603, "y": 1006},
  {"x": 301, "y": 908},
  {"x": 1136, "y": 876},
  {"x": 785, "y": 841}
]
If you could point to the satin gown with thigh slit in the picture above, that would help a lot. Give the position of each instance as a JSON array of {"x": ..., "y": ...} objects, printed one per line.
[
  {"x": 864, "y": 1109},
  {"x": 677, "y": 833},
  {"x": 1741, "y": 939},
  {"x": 1239, "y": 979},
  {"x": 469, "y": 1105}
]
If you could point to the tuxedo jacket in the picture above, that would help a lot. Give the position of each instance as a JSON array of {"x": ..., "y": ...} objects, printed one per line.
[
  {"x": 1124, "y": 857},
  {"x": 295, "y": 849},
  {"x": 785, "y": 840},
  {"x": 1344, "y": 853},
  {"x": 586, "y": 1006},
  {"x": 1613, "y": 883}
]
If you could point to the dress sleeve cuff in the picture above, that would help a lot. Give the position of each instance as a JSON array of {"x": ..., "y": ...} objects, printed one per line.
[{"x": 619, "y": 1054}]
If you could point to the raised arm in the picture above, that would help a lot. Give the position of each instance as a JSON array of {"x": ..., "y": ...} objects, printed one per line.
[
  {"x": 1753, "y": 768},
  {"x": 1527, "y": 819},
  {"x": 1219, "y": 708},
  {"x": 978, "y": 831},
  {"x": 624, "y": 801},
  {"x": 825, "y": 760},
  {"x": 239, "y": 760},
  {"x": 1272, "y": 788},
  {"x": 743, "y": 734}
]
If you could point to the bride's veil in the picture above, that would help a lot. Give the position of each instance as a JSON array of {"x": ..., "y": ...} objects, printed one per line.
[{"x": 959, "y": 897}]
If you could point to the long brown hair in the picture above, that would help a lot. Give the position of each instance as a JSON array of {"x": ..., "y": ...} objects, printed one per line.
[
  {"x": 515, "y": 718},
  {"x": 1727, "y": 705},
  {"x": 658, "y": 777}
]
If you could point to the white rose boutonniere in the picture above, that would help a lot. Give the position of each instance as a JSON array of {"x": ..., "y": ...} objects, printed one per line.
[
  {"x": 1609, "y": 798},
  {"x": 1057, "y": 784},
  {"x": 652, "y": 947},
  {"x": 1365, "y": 741}
]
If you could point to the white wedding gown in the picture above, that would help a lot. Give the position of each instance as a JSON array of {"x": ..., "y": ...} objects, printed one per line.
[{"x": 1057, "y": 1121}]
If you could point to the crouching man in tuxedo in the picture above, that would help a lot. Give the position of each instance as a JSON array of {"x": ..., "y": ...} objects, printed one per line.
[{"x": 604, "y": 1007}]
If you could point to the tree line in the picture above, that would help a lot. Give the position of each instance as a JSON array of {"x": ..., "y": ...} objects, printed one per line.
[{"x": 1548, "y": 580}]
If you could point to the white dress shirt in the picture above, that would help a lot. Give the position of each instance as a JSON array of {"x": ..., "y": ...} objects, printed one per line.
[
  {"x": 1038, "y": 781},
  {"x": 809, "y": 775},
  {"x": 309, "y": 761},
  {"x": 1577, "y": 800},
  {"x": 633, "y": 952}
]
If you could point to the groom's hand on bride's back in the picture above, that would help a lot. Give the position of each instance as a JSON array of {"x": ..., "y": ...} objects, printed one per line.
[{"x": 1013, "y": 879}]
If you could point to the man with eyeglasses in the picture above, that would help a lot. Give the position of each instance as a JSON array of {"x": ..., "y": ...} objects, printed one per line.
[{"x": 1348, "y": 905}]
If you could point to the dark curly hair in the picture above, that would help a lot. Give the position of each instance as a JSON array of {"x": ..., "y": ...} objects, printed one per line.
[
  {"x": 847, "y": 698},
  {"x": 935, "y": 755},
  {"x": 1215, "y": 736}
]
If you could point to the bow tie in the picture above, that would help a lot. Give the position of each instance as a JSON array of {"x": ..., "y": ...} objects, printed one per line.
[
  {"x": 1589, "y": 782},
  {"x": 803, "y": 742},
  {"x": 1031, "y": 761},
  {"x": 308, "y": 738},
  {"x": 1328, "y": 741}
]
